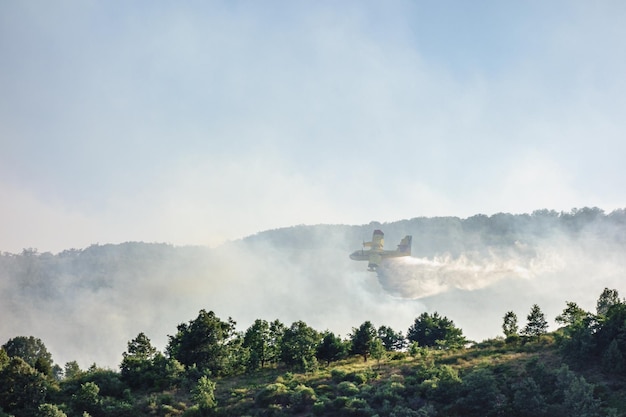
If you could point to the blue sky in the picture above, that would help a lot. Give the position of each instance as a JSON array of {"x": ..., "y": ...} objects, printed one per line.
[{"x": 199, "y": 122}]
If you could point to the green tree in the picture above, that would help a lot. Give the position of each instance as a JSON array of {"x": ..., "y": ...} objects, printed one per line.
[
  {"x": 578, "y": 334},
  {"x": 509, "y": 324},
  {"x": 138, "y": 362},
  {"x": 277, "y": 331},
  {"x": 362, "y": 339},
  {"x": 528, "y": 401},
  {"x": 237, "y": 356},
  {"x": 435, "y": 331},
  {"x": 22, "y": 387},
  {"x": 607, "y": 299},
  {"x": 331, "y": 348},
  {"x": 203, "y": 342},
  {"x": 140, "y": 348},
  {"x": 257, "y": 340},
  {"x": 391, "y": 339},
  {"x": 203, "y": 394},
  {"x": 298, "y": 346},
  {"x": 571, "y": 315},
  {"x": 444, "y": 384},
  {"x": 415, "y": 350},
  {"x": 87, "y": 399},
  {"x": 576, "y": 394},
  {"x": 377, "y": 350},
  {"x": 33, "y": 351},
  {"x": 612, "y": 327},
  {"x": 537, "y": 324},
  {"x": 612, "y": 359},
  {"x": 480, "y": 395},
  {"x": 72, "y": 370},
  {"x": 167, "y": 372}
]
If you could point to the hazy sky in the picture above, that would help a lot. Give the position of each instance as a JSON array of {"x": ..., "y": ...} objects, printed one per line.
[{"x": 197, "y": 122}]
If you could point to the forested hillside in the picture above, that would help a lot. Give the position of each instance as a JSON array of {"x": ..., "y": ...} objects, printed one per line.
[
  {"x": 86, "y": 303},
  {"x": 274, "y": 369}
]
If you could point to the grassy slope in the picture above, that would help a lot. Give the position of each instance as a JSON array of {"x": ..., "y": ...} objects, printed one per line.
[{"x": 238, "y": 395}]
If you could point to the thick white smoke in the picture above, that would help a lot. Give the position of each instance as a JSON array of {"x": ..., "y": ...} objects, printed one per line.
[
  {"x": 415, "y": 278},
  {"x": 87, "y": 304}
]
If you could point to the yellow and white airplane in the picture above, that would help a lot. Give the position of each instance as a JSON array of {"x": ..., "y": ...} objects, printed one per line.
[{"x": 376, "y": 253}]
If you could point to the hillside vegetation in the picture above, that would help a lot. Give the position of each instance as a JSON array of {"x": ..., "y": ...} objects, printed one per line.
[
  {"x": 273, "y": 370},
  {"x": 101, "y": 302}
]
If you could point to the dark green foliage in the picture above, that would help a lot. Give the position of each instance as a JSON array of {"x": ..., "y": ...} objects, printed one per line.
[
  {"x": 436, "y": 331},
  {"x": 263, "y": 341},
  {"x": 488, "y": 379},
  {"x": 362, "y": 339},
  {"x": 402, "y": 411},
  {"x": 138, "y": 364},
  {"x": 331, "y": 348},
  {"x": 578, "y": 342},
  {"x": 87, "y": 399},
  {"x": 257, "y": 340},
  {"x": 612, "y": 359},
  {"x": 509, "y": 324},
  {"x": 572, "y": 315},
  {"x": 299, "y": 343},
  {"x": 391, "y": 339},
  {"x": 554, "y": 392},
  {"x": 528, "y": 401},
  {"x": 608, "y": 298},
  {"x": 587, "y": 339},
  {"x": 109, "y": 382},
  {"x": 389, "y": 393},
  {"x": 377, "y": 350},
  {"x": 276, "y": 393},
  {"x": 357, "y": 407},
  {"x": 347, "y": 388},
  {"x": 22, "y": 388},
  {"x": 99, "y": 392},
  {"x": 443, "y": 385},
  {"x": 612, "y": 327},
  {"x": 72, "y": 370},
  {"x": 140, "y": 348},
  {"x": 338, "y": 375},
  {"x": 575, "y": 394},
  {"x": 203, "y": 394},
  {"x": 32, "y": 350},
  {"x": 203, "y": 342},
  {"x": 277, "y": 331},
  {"x": 166, "y": 372},
  {"x": 537, "y": 324},
  {"x": 512, "y": 339},
  {"x": 480, "y": 395},
  {"x": 302, "y": 397}
]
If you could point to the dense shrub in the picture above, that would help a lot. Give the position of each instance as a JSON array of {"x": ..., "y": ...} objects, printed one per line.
[
  {"x": 275, "y": 393},
  {"x": 301, "y": 397}
]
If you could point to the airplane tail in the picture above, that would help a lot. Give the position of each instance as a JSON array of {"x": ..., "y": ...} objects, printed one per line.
[{"x": 405, "y": 245}]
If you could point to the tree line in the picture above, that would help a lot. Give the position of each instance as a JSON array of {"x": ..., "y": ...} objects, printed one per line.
[{"x": 208, "y": 348}]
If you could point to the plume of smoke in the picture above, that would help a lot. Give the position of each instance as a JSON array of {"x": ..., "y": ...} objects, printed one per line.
[
  {"x": 87, "y": 304},
  {"x": 416, "y": 278}
]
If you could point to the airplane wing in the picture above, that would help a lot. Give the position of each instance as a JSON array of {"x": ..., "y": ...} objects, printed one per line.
[{"x": 378, "y": 241}]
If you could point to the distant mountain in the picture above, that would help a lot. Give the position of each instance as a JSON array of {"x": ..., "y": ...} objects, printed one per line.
[{"x": 85, "y": 304}]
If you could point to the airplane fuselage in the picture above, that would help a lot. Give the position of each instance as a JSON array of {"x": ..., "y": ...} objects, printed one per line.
[{"x": 376, "y": 254}]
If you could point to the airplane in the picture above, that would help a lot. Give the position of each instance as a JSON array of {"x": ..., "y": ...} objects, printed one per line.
[{"x": 376, "y": 253}]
